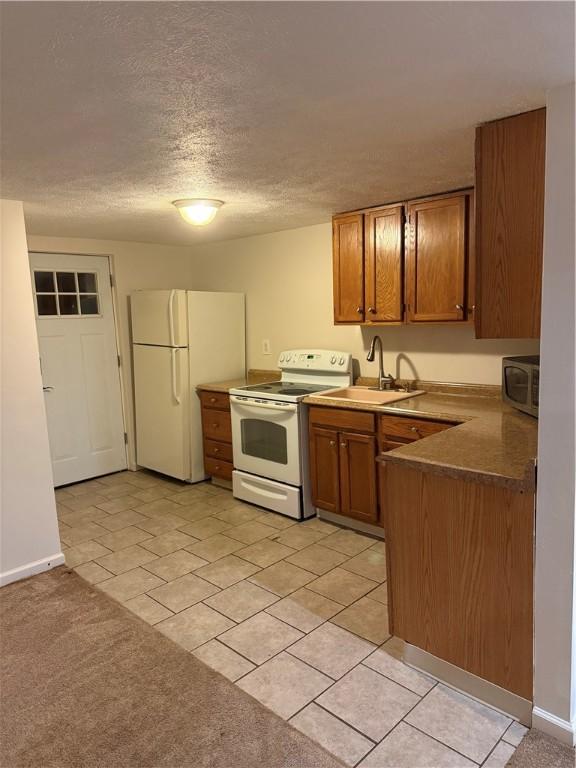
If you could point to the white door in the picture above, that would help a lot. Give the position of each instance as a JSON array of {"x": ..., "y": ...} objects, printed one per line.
[
  {"x": 159, "y": 318},
  {"x": 79, "y": 361},
  {"x": 162, "y": 405}
]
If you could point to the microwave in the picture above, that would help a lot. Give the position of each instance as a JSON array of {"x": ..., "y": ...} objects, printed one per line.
[{"x": 520, "y": 382}]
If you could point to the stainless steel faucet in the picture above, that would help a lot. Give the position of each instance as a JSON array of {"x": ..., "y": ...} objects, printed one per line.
[{"x": 385, "y": 381}]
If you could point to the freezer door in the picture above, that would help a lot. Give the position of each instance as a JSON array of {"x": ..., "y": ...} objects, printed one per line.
[
  {"x": 162, "y": 410},
  {"x": 159, "y": 318}
]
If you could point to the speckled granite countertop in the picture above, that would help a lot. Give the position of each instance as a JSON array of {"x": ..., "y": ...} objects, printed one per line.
[
  {"x": 492, "y": 443},
  {"x": 254, "y": 376}
]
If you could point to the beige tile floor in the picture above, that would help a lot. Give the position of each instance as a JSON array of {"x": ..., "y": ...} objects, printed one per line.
[{"x": 294, "y": 613}]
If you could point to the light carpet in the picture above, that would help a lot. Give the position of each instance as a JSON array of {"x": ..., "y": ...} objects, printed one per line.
[{"x": 86, "y": 684}]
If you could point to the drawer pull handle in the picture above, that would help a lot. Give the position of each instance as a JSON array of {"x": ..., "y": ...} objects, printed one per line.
[
  {"x": 212, "y": 399},
  {"x": 415, "y": 429},
  {"x": 215, "y": 425},
  {"x": 216, "y": 450}
]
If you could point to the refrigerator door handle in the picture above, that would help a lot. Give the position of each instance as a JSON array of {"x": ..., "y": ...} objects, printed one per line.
[
  {"x": 171, "y": 317},
  {"x": 175, "y": 393}
]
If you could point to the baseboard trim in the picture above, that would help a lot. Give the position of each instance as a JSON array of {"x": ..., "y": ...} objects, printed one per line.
[
  {"x": 476, "y": 687},
  {"x": 349, "y": 522},
  {"x": 563, "y": 730},
  {"x": 31, "y": 569}
]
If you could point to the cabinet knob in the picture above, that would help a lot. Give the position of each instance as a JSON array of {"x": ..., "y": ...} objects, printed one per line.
[
  {"x": 415, "y": 429},
  {"x": 215, "y": 425},
  {"x": 372, "y": 310},
  {"x": 216, "y": 450},
  {"x": 343, "y": 445},
  {"x": 460, "y": 307},
  {"x": 332, "y": 443},
  {"x": 212, "y": 399},
  {"x": 360, "y": 310}
]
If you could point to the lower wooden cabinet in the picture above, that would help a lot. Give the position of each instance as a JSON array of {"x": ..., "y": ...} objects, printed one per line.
[
  {"x": 460, "y": 572},
  {"x": 217, "y": 434},
  {"x": 343, "y": 449},
  {"x": 358, "y": 497},
  {"x": 344, "y": 444}
]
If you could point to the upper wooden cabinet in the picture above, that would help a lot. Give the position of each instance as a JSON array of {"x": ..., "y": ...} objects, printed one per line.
[
  {"x": 437, "y": 259},
  {"x": 389, "y": 270},
  {"x": 384, "y": 264},
  {"x": 510, "y": 156},
  {"x": 348, "y": 265}
]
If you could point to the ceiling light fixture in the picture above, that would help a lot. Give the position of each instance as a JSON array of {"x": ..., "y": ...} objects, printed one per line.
[{"x": 198, "y": 212}]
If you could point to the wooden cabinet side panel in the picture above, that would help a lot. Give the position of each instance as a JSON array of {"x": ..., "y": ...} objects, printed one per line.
[
  {"x": 324, "y": 468},
  {"x": 436, "y": 259},
  {"x": 358, "y": 490},
  {"x": 510, "y": 158},
  {"x": 348, "y": 268},
  {"x": 384, "y": 262},
  {"x": 461, "y": 559}
]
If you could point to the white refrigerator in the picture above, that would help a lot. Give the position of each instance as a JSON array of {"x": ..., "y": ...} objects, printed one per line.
[{"x": 181, "y": 339}]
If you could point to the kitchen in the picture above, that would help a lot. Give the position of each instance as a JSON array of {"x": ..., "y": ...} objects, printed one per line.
[{"x": 391, "y": 330}]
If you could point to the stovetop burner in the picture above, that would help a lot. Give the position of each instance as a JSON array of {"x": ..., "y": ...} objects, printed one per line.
[{"x": 297, "y": 389}]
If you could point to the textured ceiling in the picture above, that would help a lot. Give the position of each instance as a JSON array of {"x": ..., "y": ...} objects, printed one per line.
[{"x": 286, "y": 111}]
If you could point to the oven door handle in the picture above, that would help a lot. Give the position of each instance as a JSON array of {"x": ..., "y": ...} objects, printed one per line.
[{"x": 270, "y": 406}]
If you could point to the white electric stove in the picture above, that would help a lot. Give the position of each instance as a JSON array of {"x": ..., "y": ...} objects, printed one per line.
[{"x": 270, "y": 430}]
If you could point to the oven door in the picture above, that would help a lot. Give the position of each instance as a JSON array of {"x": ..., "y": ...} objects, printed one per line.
[{"x": 265, "y": 438}]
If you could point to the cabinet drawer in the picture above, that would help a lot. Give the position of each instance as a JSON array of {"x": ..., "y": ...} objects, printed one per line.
[
  {"x": 217, "y": 425},
  {"x": 217, "y": 468},
  {"x": 342, "y": 418},
  {"x": 219, "y": 400},
  {"x": 218, "y": 451},
  {"x": 410, "y": 429}
]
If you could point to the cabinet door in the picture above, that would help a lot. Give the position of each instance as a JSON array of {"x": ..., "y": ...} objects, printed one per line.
[
  {"x": 348, "y": 267},
  {"x": 324, "y": 468},
  {"x": 436, "y": 259},
  {"x": 510, "y": 157},
  {"x": 384, "y": 261},
  {"x": 358, "y": 496}
]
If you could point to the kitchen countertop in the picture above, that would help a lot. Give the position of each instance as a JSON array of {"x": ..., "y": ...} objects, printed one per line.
[
  {"x": 254, "y": 376},
  {"x": 493, "y": 443}
]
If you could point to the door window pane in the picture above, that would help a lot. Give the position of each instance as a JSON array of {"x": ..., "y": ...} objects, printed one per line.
[
  {"x": 68, "y": 304},
  {"x": 47, "y": 305},
  {"x": 44, "y": 282},
  {"x": 66, "y": 282},
  {"x": 264, "y": 440},
  {"x": 87, "y": 282},
  {"x": 89, "y": 305}
]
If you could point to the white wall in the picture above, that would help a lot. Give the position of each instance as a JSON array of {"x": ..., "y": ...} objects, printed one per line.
[
  {"x": 135, "y": 266},
  {"x": 555, "y": 617},
  {"x": 29, "y": 540},
  {"x": 287, "y": 277}
]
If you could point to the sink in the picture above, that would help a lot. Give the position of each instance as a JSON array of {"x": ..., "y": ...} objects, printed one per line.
[{"x": 366, "y": 395}]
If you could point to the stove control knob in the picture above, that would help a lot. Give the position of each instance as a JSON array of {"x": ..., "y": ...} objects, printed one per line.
[
  {"x": 281, "y": 358},
  {"x": 333, "y": 359},
  {"x": 341, "y": 361},
  {"x": 288, "y": 358}
]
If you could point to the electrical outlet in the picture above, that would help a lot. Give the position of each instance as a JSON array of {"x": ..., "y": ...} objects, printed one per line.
[{"x": 266, "y": 347}]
